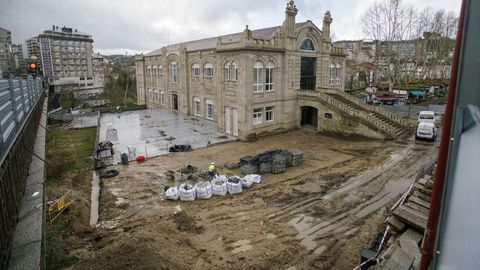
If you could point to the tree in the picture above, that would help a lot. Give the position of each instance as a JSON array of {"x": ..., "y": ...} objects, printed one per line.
[
  {"x": 410, "y": 44},
  {"x": 390, "y": 23}
]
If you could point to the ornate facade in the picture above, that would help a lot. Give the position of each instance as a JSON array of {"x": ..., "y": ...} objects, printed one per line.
[{"x": 246, "y": 82}]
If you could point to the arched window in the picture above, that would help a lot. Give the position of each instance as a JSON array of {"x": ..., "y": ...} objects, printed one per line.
[
  {"x": 257, "y": 77},
  {"x": 196, "y": 70},
  {"x": 173, "y": 71},
  {"x": 196, "y": 106},
  {"x": 226, "y": 72},
  {"x": 209, "y": 109},
  {"x": 328, "y": 115},
  {"x": 307, "y": 45},
  {"x": 162, "y": 97},
  {"x": 154, "y": 70},
  {"x": 208, "y": 70},
  {"x": 337, "y": 74},
  {"x": 233, "y": 72},
  {"x": 160, "y": 70},
  {"x": 331, "y": 74},
  {"x": 269, "y": 72}
]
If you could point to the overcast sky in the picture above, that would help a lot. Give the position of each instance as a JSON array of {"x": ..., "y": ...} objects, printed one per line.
[{"x": 133, "y": 26}]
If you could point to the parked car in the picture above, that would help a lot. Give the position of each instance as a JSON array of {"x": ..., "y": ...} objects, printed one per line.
[
  {"x": 426, "y": 131},
  {"x": 427, "y": 116}
]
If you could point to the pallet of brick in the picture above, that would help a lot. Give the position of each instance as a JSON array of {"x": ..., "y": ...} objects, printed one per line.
[
  {"x": 278, "y": 164},
  {"x": 288, "y": 157},
  {"x": 249, "y": 169},
  {"x": 265, "y": 167},
  {"x": 246, "y": 160},
  {"x": 297, "y": 156}
]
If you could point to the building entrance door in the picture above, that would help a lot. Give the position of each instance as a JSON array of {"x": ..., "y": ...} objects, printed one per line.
[
  {"x": 228, "y": 120},
  {"x": 309, "y": 117},
  {"x": 307, "y": 73},
  {"x": 175, "y": 102}
]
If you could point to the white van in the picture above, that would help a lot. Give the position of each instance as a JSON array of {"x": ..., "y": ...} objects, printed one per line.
[
  {"x": 426, "y": 131},
  {"x": 427, "y": 116}
]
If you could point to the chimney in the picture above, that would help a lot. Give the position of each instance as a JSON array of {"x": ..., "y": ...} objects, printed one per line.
[
  {"x": 289, "y": 23},
  {"x": 327, "y": 20}
]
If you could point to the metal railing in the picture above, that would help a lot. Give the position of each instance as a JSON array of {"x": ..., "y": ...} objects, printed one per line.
[
  {"x": 20, "y": 111},
  {"x": 17, "y": 99},
  {"x": 377, "y": 123}
]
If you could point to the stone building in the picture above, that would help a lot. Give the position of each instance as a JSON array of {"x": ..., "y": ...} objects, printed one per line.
[
  {"x": 67, "y": 61},
  {"x": 247, "y": 82}
]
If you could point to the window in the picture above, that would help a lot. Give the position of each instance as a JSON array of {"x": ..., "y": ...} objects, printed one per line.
[
  {"x": 208, "y": 69},
  {"x": 160, "y": 70},
  {"x": 233, "y": 72},
  {"x": 257, "y": 116},
  {"x": 269, "y": 76},
  {"x": 155, "y": 96},
  {"x": 226, "y": 72},
  {"x": 149, "y": 70},
  {"x": 173, "y": 71},
  {"x": 150, "y": 95},
  {"x": 154, "y": 70},
  {"x": 269, "y": 114},
  {"x": 209, "y": 106},
  {"x": 328, "y": 115},
  {"x": 331, "y": 74},
  {"x": 257, "y": 77},
  {"x": 337, "y": 74},
  {"x": 307, "y": 45},
  {"x": 196, "y": 106},
  {"x": 162, "y": 97},
  {"x": 195, "y": 70}
]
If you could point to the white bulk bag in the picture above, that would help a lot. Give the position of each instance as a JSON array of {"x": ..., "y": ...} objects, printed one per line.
[
  {"x": 234, "y": 185},
  {"x": 172, "y": 193},
  {"x": 255, "y": 178},
  {"x": 219, "y": 187},
  {"x": 204, "y": 190},
  {"x": 187, "y": 192}
]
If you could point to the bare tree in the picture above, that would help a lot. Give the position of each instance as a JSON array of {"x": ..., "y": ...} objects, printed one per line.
[
  {"x": 391, "y": 23},
  {"x": 436, "y": 40},
  {"x": 411, "y": 45}
]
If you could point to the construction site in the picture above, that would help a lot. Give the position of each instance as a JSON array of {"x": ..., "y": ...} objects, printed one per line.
[{"x": 302, "y": 217}]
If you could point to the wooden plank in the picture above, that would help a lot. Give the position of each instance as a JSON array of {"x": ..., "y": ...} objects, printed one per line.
[
  {"x": 411, "y": 218},
  {"x": 417, "y": 200}
]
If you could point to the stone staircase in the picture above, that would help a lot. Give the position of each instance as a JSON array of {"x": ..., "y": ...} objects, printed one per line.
[{"x": 377, "y": 118}]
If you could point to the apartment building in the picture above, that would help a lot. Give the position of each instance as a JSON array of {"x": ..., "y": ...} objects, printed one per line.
[
  {"x": 67, "y": 60},
  {"x": 7, "y": 66}
]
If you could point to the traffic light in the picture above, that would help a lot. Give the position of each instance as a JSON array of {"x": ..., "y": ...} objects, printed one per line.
[{"x": 33, "y": 68}]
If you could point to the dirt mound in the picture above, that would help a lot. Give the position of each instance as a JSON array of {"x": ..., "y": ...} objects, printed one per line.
[{"x": 186, "y": 223}]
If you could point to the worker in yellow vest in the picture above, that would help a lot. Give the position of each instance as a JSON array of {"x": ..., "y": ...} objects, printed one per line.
[{"x": 212, "y": 170}]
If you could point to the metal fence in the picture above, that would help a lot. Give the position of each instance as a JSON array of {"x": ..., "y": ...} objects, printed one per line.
[
  {"x": 413, "y": 110},
  {"x": 17, "y": 98},
  {"x": 20, "y": 111}
]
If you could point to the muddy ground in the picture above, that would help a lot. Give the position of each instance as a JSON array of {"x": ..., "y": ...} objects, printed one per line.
[{"x": 317, "y": 216}]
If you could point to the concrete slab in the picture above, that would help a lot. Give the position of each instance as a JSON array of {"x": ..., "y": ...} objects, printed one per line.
[
  {"x": 26, "y": 257},
  {"x": 152, "y": 132},
  {"x": 84, "y": 122}
]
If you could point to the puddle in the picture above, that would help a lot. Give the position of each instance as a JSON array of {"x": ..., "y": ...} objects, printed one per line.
[
  {"x": 94, "y": 199},
  {"x": 241, "y": 246}
]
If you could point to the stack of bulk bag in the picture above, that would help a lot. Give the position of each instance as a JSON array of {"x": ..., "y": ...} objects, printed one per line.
[
  {"x": 187, "y": 192},
  {"x": 234, "y": 185},
  {"x": 204, "y": 190}
]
